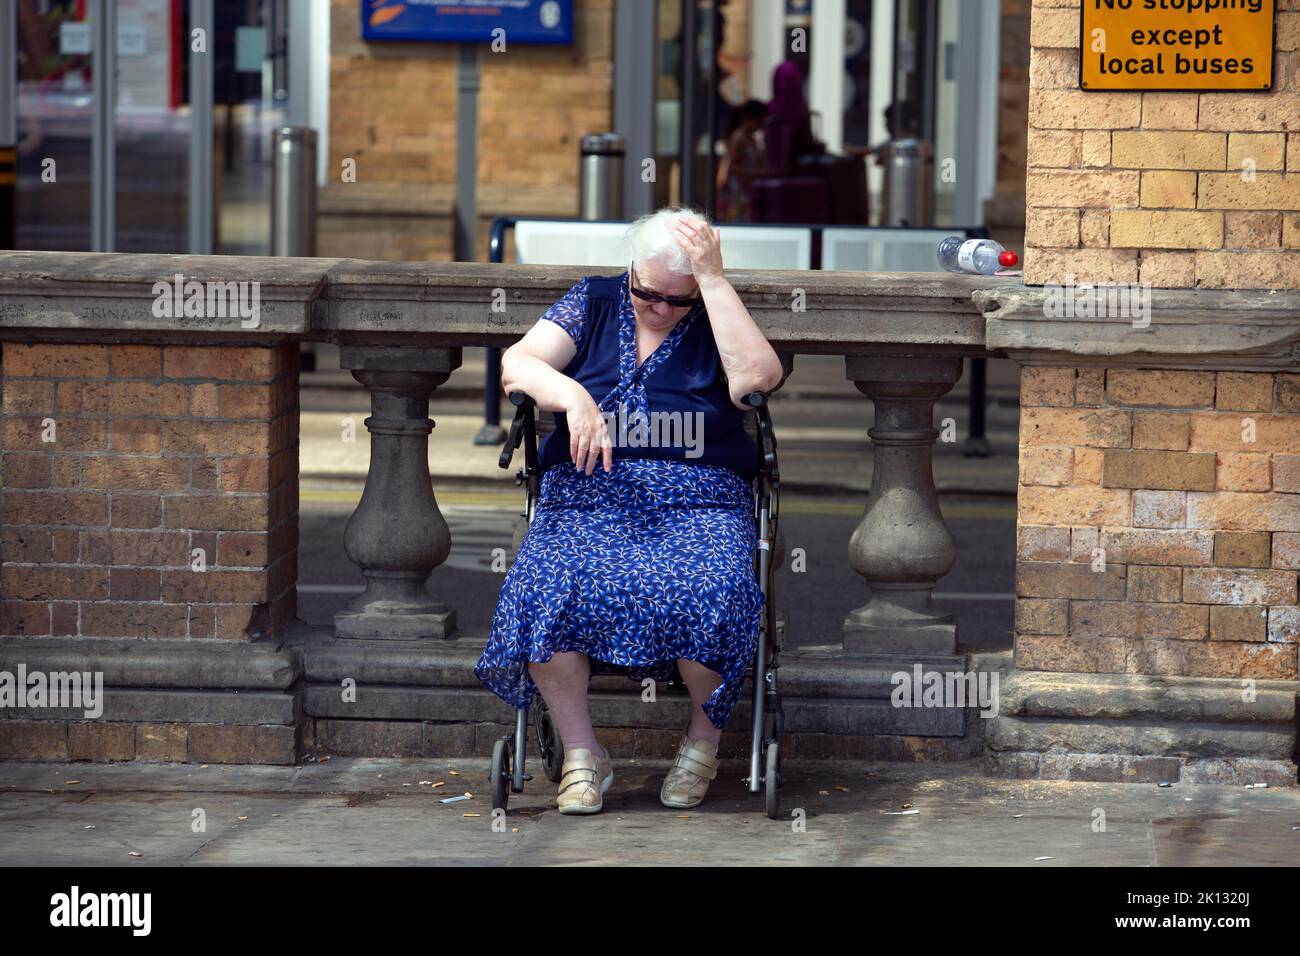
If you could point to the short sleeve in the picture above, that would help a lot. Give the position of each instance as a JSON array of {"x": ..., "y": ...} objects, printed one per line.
[{"x": 570, "y": 312}]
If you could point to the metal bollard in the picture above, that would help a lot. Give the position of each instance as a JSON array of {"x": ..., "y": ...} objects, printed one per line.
[
  {"x": 600, "y": 177},
  {"x": 293, "y": 205},
  {"x": 909, "y": 183},
  {"x": 293, "y": 191}
]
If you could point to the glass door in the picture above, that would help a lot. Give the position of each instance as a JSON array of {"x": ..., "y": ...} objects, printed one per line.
[
  {"x": 55, "y": 82},
  {"x": 857, "y": 74},
  {"x": 668, "y": 103},
  {"x": 913, "y": 99},
  {"x": 152, "y": 122},
  {"x": 251, "y": 88},
  {"x": 702, "y": 24},
  {"x": 149, "y": 199},
  {"x": 703, "y": 64},
  {"x": 946, "y": 66}
]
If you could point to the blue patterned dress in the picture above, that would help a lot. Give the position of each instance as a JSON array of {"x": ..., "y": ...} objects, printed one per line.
[{"x": 652, "y": 561}]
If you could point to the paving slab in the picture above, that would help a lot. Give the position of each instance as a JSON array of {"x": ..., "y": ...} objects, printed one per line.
[{"x": 361, "y": 811}]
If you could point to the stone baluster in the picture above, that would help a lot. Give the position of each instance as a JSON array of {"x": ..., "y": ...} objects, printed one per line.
[
  {"x": 397, "y": 535},
  {"x": 902, "y": 546}
]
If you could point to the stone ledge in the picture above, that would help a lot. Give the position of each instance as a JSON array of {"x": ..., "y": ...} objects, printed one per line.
[
  {"x": 1188, "y": 328},
  {"x": 1075, "y": 696},
  {"x": 53, "y": 740},
  {"x": 78, "y": 296},
  {"x": 58, "y": 296},
  {"x": 1139, "y": 768},
  {"x": 202, "y": 701},
  {"x": 101, "y": 291},
  {"x": 614, "y": 711},
  {"x": 846, "y": 312},
  {"x": 1174, "y": 738},
  {"x": 159, "y": 664},
  {"x": 414, "y": 682},
  {"x": 450, "y": 664},
  {"x": 139, "y": 705},
  {"x": 369, "y": 738},
  {"x": 1144, "y": 729}
]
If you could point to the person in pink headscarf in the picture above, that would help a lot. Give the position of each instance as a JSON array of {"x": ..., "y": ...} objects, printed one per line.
[{"x": 788, "y": 133}]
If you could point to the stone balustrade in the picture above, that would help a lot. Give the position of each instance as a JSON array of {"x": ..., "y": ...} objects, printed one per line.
[{"x": 179, "y": 435}]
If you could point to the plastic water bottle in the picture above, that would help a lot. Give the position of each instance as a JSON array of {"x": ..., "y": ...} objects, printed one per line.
[{"x": 977, "y": 256}]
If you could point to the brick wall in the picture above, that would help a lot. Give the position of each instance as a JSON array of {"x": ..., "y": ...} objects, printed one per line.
[
  {"x": 156, "y": 451},
  {"x": 1159, "y": 527},
  {"x": 1149, "y": 187}
]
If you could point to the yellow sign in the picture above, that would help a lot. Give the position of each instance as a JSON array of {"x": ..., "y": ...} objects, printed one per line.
[{"x": 1176, "y": 44}]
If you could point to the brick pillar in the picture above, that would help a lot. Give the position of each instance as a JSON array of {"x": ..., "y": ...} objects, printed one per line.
[
  {"x": 1157, "y": 617},
  {"x": 150, "y": 491},
  {"x": 1157, "y": 624},
  {"x": 1159, "y": 532}
]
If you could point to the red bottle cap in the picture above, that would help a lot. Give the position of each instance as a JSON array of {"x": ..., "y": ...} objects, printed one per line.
[{"x": 1008, "y": 259}]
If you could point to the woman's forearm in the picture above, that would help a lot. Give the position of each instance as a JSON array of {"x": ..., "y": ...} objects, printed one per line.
[
  {"x": 747, "y": 357},
  {"x": 552, "y": 390}
]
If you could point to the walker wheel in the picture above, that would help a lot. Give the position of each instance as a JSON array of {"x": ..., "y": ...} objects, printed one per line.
[
  {"x": 548, "y": 741},
  {"x": 771, "y": 781},
  {"x": 499, "y": 775}
]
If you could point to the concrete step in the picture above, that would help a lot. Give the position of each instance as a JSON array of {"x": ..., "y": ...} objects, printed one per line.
[{"x": 423, "y": 697}]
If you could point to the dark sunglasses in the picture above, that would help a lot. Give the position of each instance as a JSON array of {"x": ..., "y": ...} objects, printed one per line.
[{"x": 676, "y": 301}]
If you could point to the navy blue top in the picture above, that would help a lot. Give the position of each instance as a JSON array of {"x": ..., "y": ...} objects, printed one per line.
[{"x": 684, "y": 374}]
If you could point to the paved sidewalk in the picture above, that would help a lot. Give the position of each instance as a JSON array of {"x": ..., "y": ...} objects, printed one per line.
[{"x": 351, "y": 811}]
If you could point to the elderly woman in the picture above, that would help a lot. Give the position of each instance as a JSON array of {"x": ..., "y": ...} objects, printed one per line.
[{"x": 641, "y": 554}]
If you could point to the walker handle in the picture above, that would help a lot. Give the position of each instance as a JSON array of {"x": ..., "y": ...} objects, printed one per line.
[
  {"x": 524, "y": 405},
  {"x": 767, "y": 437}
]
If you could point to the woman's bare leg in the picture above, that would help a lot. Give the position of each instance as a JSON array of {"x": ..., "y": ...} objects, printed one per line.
[
  {"x": 701, "y": 681},
  {"x": 563, "y": 684}
]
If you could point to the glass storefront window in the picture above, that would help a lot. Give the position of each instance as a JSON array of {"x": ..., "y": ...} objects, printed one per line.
[
  {"x": 54, "y": 123},
  {"x": 152, "y": 121},
  {"x": 152, "y": 127}
]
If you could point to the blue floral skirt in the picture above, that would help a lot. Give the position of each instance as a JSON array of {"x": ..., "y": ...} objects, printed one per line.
[{"x": 650, "y": 562}]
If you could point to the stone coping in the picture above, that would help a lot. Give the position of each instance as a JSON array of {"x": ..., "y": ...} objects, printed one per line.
[
  {"x": 132, "y": 662},
  {"x": 64, "y": 296},
  {"x": 1185, "y": 328},
  {"x": 82, "y": 296}
]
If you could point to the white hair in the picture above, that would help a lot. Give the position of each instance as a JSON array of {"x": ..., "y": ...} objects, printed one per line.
[{"x": 652, "y": 237}]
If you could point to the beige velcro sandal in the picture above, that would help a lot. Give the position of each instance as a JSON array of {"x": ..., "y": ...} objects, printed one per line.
[
  {"x": 692, "y": 772},
  {"x": 583, "y": 781}
]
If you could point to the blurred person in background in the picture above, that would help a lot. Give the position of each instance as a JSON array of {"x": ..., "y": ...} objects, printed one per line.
[{"x": 745, "y": 160}]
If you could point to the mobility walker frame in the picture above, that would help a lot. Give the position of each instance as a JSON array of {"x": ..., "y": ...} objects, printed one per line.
[{"x": 507, "y": 773}]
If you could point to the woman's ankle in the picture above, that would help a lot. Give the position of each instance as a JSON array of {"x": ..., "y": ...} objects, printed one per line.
[
  {"x": 713, "y": 735},
  {"x": 594, "y": 746}
]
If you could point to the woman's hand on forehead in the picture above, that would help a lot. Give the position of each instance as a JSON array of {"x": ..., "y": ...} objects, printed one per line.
[{"x": 702, "y": 244}]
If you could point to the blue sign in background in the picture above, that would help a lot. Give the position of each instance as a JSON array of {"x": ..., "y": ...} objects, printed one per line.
[{"x": 524, "y": 21}]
